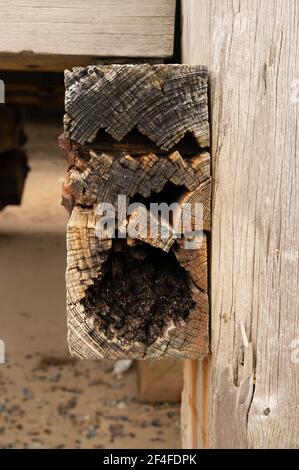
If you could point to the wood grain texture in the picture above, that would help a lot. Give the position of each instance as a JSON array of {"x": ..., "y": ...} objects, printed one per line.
[
  {"x": 144, "y": 175},
  {"x": 168, "y": 104},
  {"x": 134, "y": 28},
  {"x": 251, "y": 48},
  {"x": 86, "y": 255},
  {"x": 163, "y": 102},
  {"x": 194, "y": 417}
]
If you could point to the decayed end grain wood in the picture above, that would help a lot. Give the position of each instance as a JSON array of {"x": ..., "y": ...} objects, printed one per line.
[
  {"x": 135, "y": 28},
  {"x": 143, "y": 168},
  {"x": 162, "y": 102},
  {"x": 252, "y": 388}
]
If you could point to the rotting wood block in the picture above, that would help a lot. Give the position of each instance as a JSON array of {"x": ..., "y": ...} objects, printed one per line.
[
  {"x": 141, "y": 133},
  {"x": 162, "y": 102}
]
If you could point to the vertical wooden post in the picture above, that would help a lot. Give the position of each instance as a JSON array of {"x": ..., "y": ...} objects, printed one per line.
[{"x": 251, "y": 48}]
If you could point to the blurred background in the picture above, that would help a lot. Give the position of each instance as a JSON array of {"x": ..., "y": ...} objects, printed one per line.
[{"x": 47, "y": 398}]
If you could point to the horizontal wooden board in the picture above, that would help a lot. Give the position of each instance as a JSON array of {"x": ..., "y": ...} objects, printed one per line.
[
  {"x": 31, "y": 62},
  {"x": 114, "y": 28}
]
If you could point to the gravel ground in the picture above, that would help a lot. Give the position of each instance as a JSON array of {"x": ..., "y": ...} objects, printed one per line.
[{"x": 48, "y": 399}]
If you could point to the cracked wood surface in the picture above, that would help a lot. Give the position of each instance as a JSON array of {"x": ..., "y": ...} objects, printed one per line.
[
  {"x": 168, "y": 104},
  {"x": 162, "y": 102},
  {"x": 85, "y": 259},
  {"x": 252, "y": 387}
]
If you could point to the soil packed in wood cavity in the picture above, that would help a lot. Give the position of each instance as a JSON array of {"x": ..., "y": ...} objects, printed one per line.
[{"x": 141, "y": 291}]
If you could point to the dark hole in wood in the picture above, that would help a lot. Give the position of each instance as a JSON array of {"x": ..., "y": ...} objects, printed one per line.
[
  {"x": 169, "y": 194},
  {"x": 142, "y": 290},
  {"x": 137, "y": 143}
]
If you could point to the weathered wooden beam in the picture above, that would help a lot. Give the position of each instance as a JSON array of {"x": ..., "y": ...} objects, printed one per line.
[
  {"x": 142, "y": 296},
  {"x": 40, "y": 89},
  {"x": 135, "y": 28},
  {"x": 160, "y": 381},
  {"x": 31, "y": 62},
  {"x": 248, "y": 394}
]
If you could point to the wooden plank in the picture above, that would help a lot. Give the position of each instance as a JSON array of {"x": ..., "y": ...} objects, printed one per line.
[
  {"x": 135, "y": 28},
  {"x": 41, "y": 89},
  {"x": 160, "y": 381},
  {"x": 251, "y": 48},
  {"x": 31, "y": 62},
  {"x": 190, "y": 407},
  {"x": 144, "y": 295},
  {"x": 194, "y": 419}
]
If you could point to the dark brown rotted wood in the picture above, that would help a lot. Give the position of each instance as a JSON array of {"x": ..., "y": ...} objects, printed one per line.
[{"x": 140, "y": 131}]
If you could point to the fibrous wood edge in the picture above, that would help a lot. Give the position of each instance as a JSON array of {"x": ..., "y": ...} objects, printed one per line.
[
  {"x": 124, "y": 174},
  {"x": 162, "y": 101}
]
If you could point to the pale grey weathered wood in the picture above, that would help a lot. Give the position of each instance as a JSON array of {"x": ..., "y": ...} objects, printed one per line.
[
  {"x": 134, "y": 28},
  {"x": 251, "y": 48}
]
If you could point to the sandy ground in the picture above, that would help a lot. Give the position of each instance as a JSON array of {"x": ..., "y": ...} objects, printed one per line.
[{"x": 48, "y": 399}]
